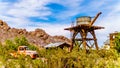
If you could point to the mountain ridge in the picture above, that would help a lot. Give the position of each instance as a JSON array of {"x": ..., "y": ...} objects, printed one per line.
[{"x": 38, "y": 37}]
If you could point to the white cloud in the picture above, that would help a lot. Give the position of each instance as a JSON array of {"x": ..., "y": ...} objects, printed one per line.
[
  {"x": 3, "y": 7},
  {"x": 56, "y": 29},
  {"x": 52, "y": 29},
  {"x": 29, "y": 8},
  {"x": 72, "y": 8},
  {"x": 18, "y": 13}
]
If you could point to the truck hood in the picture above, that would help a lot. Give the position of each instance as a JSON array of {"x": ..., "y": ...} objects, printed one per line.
[{"x": 31, "y": 52}]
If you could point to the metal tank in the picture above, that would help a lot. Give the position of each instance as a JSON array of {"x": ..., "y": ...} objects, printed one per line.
[{"x": 83, "y": 20}]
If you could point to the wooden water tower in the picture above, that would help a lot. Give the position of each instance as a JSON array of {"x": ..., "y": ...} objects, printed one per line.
[{"x": 84, "y": 25}]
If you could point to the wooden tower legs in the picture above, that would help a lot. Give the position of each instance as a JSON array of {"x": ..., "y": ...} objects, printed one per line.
[
  {"x": 84, "y": 39},
  {"x": 73, "y": 40},
  {"x": 95, "y": 39}
]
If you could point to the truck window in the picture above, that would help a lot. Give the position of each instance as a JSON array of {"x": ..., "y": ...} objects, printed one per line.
[
  {"x": 21, "y": 49},
  {"x": 26, "y": 48}
]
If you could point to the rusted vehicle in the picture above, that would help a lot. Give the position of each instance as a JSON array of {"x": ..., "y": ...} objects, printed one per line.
[{"x": 24, "y": 50}]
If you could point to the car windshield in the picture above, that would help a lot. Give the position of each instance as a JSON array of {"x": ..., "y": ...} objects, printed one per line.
[
  {"x": 21, "y": 49},
  {"x": 26, "y": 48}
]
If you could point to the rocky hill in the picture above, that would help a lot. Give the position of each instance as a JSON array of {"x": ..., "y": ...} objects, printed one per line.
[{"x": 38, "y": 37}]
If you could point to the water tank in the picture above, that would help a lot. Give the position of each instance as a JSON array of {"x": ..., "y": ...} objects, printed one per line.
[{"x": 83, "y": 20}]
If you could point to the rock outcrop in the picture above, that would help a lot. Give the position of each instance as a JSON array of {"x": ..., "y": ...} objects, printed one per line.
[{"x": 38, "y": 37}]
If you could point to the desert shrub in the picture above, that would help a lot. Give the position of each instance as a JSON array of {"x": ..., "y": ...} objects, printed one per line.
[
  {"x": 59, "y": 58},
  {"x": 10, "y": 45},
  {"x": 21, "y": 41},
  {"x": 79, "y": 59},
  {"x": 18, "y": 41}
]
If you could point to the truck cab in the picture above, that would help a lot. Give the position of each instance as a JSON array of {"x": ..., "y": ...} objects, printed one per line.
[{"x": 27, "y": 52}]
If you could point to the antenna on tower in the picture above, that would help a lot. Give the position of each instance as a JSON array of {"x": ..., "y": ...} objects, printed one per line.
[{"x": 72, "y": 25}]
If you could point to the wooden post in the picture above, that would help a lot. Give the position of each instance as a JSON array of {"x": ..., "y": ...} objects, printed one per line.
[
  {"x": 95, "y": 39},
  {"x": 73, "y": 40},
  {"x": 95, "y": 18},
  {"x": 83, "y": 35}
]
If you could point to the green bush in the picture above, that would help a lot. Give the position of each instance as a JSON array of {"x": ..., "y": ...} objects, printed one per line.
[
  {"x": 18, "y": 41},
  {"x": 10, "y": 45},
  {"x": 21, "y": 41}
]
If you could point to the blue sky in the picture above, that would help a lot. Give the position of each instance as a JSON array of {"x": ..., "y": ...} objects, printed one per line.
[{"x": 55, "y": 15}]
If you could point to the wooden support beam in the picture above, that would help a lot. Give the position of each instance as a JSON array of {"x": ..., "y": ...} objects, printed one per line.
[
  {"x": 84, "y": 35},
  {"x": 95, "y": 39},
  {"x": 73, "y": 40},
  {"x": 95, "y": 18},
  {"x": 80, "y": 39}
]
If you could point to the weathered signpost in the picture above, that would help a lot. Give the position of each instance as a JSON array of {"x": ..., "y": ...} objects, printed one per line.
[{"x": 84, "y": 25}]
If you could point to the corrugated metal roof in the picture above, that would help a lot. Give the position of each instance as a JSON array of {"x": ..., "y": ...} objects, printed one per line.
[
  {"x": 54, "y": 44},
  {"x": 107, "y": 42}
]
